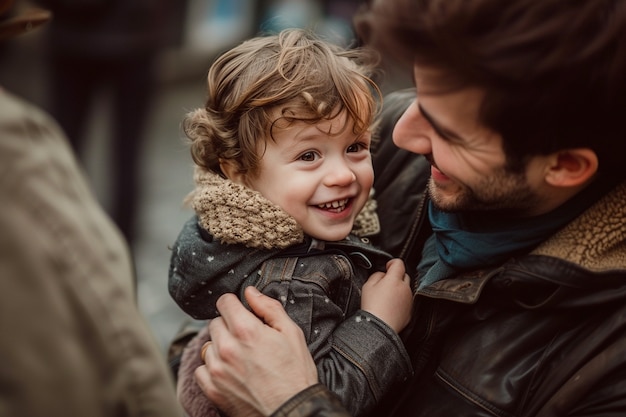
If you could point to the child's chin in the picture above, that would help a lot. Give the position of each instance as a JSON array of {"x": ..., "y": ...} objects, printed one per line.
[{"x": 332, "y": 235}]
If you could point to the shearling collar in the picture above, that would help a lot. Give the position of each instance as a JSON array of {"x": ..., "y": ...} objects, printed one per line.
[
  {"x": 597, "y": 238},
  {"x": 233, "y": 213}
]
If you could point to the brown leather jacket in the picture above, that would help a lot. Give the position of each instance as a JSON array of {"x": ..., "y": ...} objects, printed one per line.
[{"x": 543, "y": 334}]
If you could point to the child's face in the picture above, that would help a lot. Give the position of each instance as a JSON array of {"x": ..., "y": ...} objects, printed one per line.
[{"x": 322, "y": 180}]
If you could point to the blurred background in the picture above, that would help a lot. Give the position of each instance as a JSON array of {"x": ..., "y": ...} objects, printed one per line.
[{"x": 119, "y": 76}]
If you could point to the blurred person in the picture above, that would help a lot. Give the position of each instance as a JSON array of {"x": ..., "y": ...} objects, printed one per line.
[
  {"x": 73, "y": 341},
  {"x": 507, "y": 202},
  {"x": 283, "y": 203},
  {"x": 110, "y": 46}
]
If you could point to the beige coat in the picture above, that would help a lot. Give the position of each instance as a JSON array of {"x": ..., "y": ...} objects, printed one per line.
[{"x": 72, "y": 340}]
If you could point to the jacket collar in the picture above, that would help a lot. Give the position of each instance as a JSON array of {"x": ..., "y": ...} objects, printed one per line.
[{"x": 596, "y": 240}]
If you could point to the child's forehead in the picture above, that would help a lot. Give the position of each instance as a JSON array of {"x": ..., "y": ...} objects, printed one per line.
[
  {"x": 315, "y": 111},
  {"x": 289, "y": 118}
]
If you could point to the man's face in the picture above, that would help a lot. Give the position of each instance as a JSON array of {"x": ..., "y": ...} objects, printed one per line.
[
  {"x": 321, "y": 174},
  {"x": 468, "y": 162}
]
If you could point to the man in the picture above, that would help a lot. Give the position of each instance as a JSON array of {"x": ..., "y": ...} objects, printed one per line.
[
  {"x": 73, "y": 341},
  {"x": 519, "y": 243}
]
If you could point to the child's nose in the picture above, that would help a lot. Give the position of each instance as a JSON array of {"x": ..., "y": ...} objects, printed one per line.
[{"x": 340, "y": 175}]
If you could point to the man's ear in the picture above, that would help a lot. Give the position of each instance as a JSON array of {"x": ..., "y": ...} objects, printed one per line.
[
  {"x": 572, "y": 167},
  {"x": 232, "y": 172}
]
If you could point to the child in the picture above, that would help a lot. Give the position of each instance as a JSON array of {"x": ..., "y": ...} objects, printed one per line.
[{"x": 283, "y": 177}]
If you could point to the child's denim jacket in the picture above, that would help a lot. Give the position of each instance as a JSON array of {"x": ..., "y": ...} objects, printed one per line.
[{"x": 319, "y": 283}]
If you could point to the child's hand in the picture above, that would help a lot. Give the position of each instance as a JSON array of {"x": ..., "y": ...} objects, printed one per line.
[{"x": 389, "y": 296}]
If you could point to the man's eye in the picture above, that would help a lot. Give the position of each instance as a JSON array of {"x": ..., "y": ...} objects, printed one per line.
[{"x": 307, "y": 156}]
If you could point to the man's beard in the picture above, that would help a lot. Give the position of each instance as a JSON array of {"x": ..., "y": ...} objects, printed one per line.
[{"x": 506, "y": 192}]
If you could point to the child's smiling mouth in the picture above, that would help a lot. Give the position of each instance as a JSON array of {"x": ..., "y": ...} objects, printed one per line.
[{"x": 336, "y": 206}]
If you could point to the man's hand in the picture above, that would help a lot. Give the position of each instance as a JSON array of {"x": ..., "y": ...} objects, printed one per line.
[
  {"x": 254, "y": 364},
  {"x": 389, "y": 296}
]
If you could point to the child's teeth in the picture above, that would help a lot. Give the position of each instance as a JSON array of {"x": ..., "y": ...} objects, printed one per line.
[{"x": 334, "y": 204}]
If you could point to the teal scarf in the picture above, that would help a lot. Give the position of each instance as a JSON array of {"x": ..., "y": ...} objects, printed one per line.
[{"x": 472, "y": 240}]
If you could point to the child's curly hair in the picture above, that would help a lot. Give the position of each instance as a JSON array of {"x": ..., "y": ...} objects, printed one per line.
[{"x": 295, "y": 73}]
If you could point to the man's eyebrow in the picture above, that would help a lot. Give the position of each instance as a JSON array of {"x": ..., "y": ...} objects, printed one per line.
[{"x": 441, "y": 131}]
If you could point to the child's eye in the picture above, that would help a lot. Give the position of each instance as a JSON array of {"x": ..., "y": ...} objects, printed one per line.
[
  {"x": 307, "y": 156},
  {"x": 356, "y": 147}
]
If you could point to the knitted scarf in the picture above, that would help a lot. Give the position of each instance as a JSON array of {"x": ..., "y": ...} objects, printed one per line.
[{"x": 463, "y": 241}]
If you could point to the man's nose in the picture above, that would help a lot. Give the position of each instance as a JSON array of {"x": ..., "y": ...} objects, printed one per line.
[{"x": 412, "y": 131}]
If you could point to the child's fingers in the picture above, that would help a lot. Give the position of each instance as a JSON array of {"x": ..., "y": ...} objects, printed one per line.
[{"x": 395, "y": 268}]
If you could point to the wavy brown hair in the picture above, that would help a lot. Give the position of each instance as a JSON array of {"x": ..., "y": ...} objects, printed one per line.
[
  {"x": 303, "y": 77},
  {"x": 554, "y": 71}
]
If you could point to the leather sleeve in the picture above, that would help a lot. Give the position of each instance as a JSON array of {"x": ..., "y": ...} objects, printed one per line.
[{"x": 315, "y": 401}]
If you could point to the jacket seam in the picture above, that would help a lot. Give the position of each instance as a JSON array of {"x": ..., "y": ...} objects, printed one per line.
[
  {"x": 446, "y": 379},
  {"x": 374, "y": 388}
]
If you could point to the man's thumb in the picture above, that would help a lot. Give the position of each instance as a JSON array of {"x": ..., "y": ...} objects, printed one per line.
[{"x": 266, "y": 308}]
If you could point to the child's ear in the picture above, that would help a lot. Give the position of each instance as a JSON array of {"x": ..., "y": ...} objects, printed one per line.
[
  {"x": 572, "y": 167},
  {"x": 232, "y": 172}
]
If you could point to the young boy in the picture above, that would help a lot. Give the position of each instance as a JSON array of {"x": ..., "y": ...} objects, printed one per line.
[{"x": 282, "y": 198}]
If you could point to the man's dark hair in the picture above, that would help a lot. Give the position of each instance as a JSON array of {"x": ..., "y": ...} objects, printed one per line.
[{"x": 554, "y": 71}]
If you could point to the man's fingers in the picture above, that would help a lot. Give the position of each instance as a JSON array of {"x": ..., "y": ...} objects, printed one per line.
[
  {"x": 230, "y": 308},
  {"x": 246, "y": 351},
  {"x": 268, "y": 309},
  {"x": 201, "y": 374},
  {"x": 235, "y": 319},
  {"x": 204, "y": 349}
]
